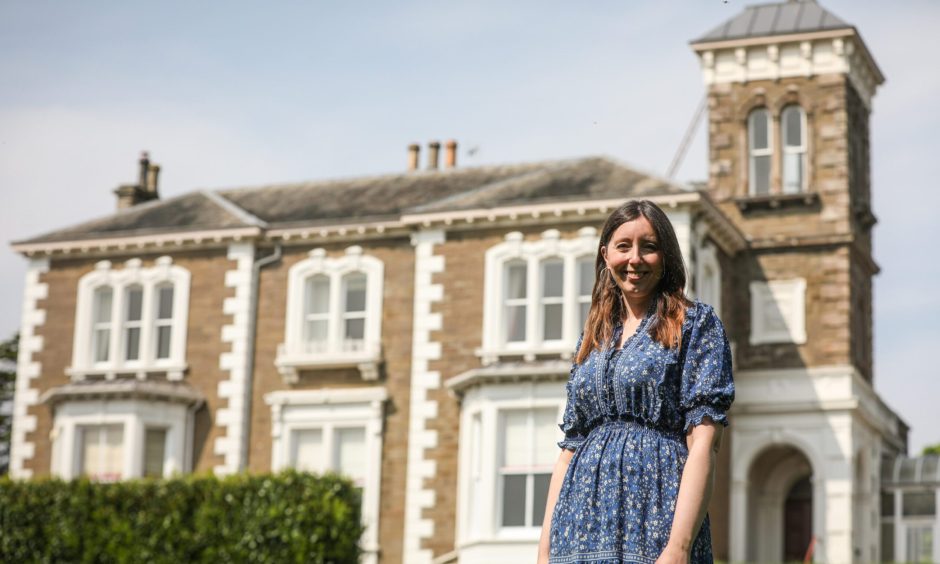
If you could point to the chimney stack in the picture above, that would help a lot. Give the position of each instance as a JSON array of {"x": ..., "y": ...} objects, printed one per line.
[
  {"x": 450, "y": 156},
  {"x": 434, "y": 148},
  {"x": 129, "y": 195},
  {"x": 414, "y": 151}
]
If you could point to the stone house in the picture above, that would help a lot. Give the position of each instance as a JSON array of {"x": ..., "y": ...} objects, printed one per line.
[{"x": 415, "y": 330}]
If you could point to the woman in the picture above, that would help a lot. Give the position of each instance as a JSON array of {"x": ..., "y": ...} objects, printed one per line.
[{"x": 647, "y": 396}]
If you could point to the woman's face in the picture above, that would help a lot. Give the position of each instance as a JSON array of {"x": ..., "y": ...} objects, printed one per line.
[{"x": 634, "y": 258}]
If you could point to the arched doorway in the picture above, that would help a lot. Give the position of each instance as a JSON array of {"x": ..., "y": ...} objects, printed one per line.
[{"x": 780, "y": 505}]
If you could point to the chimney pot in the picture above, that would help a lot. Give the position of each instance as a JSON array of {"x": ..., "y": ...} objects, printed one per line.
[
  {"x": 434, "y": 149},
  {"x": 144, "y": 169},
  {"x": 414, "y": 151},
  {"x": 450, "y": 155}
]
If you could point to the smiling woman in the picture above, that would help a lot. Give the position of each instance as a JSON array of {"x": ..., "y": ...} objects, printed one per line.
[{"x": 647, "y": 396}]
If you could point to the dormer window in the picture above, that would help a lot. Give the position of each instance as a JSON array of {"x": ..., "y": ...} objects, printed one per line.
[
  {"x": 760, "y": 152},
  {"x": 334, "y": 314}
]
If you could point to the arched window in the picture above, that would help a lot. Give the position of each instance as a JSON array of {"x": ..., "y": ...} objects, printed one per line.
[
  {"x": 101, "y": 324},
  {"x": 163, "y": 321},
  {"x": 316, "y": 313},
  {"x": 354, "y": 310},
  {"x": 793, "y": 131},
  {"x": 514, "y": 300},
  {"x": 760, "y": 151},
  {"x": 133, "y": 318},
  {"x": 552, "y": 298}
]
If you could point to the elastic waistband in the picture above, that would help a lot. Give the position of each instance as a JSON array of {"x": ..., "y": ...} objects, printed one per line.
[{"x": 641, "y": 428}]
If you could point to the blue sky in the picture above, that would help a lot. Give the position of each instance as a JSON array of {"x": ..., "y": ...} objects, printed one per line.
[{"x": 243, "y": 93}]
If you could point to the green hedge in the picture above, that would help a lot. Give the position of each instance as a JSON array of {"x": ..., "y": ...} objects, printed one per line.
[{"x": 288, "y": 517}]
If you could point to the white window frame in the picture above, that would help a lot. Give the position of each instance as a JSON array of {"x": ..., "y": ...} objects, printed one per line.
[
  {"x": 293, "y": 355},
  {"x": 135, "y": 417},
  {"x": 786, "y": 296},
  {"x": 533, "y": 253},
  {"x": 800, "y": 149},
  {"x": 126, "y": 325},
  {"x": 753, "y": 153},
  {"x": 708, "y": 276},
  {"x": 163, "y": 272},
  {"x": 329, "y": 409},
  {"x": 480, "y": 536}
]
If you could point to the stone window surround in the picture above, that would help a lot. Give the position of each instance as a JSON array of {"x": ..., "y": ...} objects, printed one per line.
[
  {"x": 135, "y": 416},
  {"x": 707, "y": 263},
  {"x": 293, "y": 410},
  {"x": 149, "y": 278},
  {"x": 764, "y": 295},
  {"x": 478, "y": 516},
  {"x": 291, "y": 357},
  {"x": 775, "y": 134},
  {"x": 515, "y": 247}
]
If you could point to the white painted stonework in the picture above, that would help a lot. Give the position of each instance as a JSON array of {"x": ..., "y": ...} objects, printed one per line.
[
  {"x": 27, "y": 369},
  {"x": 232, "y": 445},
  {"x": 833, "y": 418},
  {"x": 838, "y": 52},
  {"x": 422, "y": 409}
]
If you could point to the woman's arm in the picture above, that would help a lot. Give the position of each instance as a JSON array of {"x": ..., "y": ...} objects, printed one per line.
[
  {"x": 558, "y": 474},
  {"x": 695, "y": 491}
]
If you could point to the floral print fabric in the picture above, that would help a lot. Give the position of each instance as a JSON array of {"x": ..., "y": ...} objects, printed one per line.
[{"x": 626, "y": 418}]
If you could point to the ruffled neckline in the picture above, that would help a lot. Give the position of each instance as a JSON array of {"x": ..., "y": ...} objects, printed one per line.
[{"x": 618, "y": 330}]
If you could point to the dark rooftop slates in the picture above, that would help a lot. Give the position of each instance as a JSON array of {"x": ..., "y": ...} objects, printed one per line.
[{"x": 794, "y": 16}]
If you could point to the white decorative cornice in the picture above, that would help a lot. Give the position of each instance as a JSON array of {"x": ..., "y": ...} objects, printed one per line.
[{"x": 790, "y": 56}]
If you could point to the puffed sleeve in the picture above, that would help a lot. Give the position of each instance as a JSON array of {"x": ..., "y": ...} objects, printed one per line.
[
  {"x": 707, "y": 384},
  {"x": 572, "y": 423}
]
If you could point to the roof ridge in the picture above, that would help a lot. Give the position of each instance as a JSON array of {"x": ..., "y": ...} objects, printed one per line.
[{"x": 234, "y": 209}]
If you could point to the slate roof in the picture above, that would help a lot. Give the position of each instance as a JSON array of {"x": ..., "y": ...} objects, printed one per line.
[
  {"x": 375, "y": 198},
  {"x": 779, "y": 18}
]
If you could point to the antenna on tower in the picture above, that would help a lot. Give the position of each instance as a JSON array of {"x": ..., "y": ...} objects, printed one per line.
[{"x": 689, "y": 133}]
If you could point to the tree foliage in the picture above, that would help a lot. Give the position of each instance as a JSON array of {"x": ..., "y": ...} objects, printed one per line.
[{"x": 8, "y": 352}]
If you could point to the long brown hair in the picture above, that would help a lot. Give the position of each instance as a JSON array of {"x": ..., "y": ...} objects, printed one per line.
[{"x": 607, "y": 301}]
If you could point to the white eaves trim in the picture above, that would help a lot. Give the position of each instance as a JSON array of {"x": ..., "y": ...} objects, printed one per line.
[{"x": 177, "y": 238}]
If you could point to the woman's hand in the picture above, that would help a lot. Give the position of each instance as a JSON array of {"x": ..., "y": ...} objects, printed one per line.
[{"x": 674, "y": 554}]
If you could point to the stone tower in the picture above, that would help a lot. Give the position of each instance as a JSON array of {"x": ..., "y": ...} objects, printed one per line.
[{"x": 790, "y": 88}]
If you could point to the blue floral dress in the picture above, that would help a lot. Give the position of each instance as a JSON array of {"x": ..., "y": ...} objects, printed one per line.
[{"x": 626, "y": 418}]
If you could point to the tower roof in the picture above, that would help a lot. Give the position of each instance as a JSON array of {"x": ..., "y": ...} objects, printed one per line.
[{"x": 778, "y": 18}]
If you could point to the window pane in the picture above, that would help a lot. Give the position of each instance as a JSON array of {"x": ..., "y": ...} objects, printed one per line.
[
  {"x": 132, "y": 343},
  {"x": 919, "y": 503},
  {"x": 154, "y": 450},
  {"x": 553, "y": 279},
  {"x": 315, "y": 331},
  {"x": 165, "y": 302},
  {"x": 887, "y": 542},
  {"x": 102, "y": 307},
  {"x": 102, "y": 339},
  {"x": 317, "y": 295},
  {"x": 760, "y": 182},
  {"x": 163, "y": 341},
  {"x": 514, "y": 501},
  {"x": 792, "y": 127},
  {"x": 355, "y": 285},
  {"x": 355, "y": 329},
  {"x": 307, "y": 450},
  {"x": 585, "y": 308},
  {"x": 539, "y": 497},
  {"x": 759, "y": 129},
  {"x": 101, "y": 452},
  {"x": 135, "y": 302},
  {"x": 887, "y": 504},
  {"x": 551, "y": 321},
  {"x": 546, "y": 435},
  {"x": 515, "y": 323},
  {"x": 515, "y": 280},
  {"x": 351, "y": 453},
  {"x": 919, "y": 543},
  {"x": 517, "y": 443},
  {"x": 585, "y": 276},
  {"x": 792, "y": 173}
]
